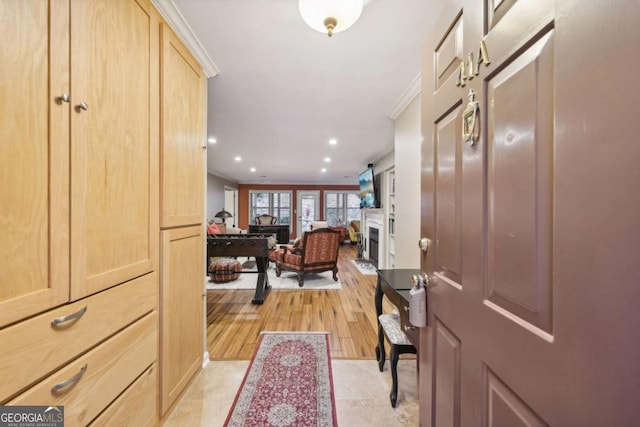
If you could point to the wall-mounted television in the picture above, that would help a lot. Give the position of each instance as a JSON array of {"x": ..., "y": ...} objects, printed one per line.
[{"x": 367, "y": 189}]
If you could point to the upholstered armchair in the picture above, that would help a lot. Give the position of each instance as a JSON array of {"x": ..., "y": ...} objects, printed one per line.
[
  {"x": 265, "y": 219},
  {"x": 317, "y": 252},
  {"x": 354, "y": 229}
]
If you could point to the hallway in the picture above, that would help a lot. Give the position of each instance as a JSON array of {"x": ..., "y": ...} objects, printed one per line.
[{"x": 361, "y": 390}]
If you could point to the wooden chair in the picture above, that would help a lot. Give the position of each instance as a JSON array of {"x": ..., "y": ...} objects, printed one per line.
[
  {"x": 265, "y": 219},
  {"x": 318, "y": 252}
]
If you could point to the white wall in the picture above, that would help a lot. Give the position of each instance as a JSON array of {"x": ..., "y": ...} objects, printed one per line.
[
  {"x": 408, "y": 142},
  {"x": 215, "y": 194}
]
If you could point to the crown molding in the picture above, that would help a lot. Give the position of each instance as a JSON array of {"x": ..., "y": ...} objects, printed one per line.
[
  {"x": 176, "y": 20},
  {"x": 388, "y": 149},
  {"x": 407, "y": 96}
]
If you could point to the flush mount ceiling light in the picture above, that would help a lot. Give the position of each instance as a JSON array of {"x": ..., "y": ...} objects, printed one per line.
[{"x": 330, "y": 16}]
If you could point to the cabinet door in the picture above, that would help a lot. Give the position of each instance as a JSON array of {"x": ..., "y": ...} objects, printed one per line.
[
  {"x": 34, "y": 177},
  {"x": 182, "y": 310},
  {"x": 114, "y": 57},
  {"x": 182, "y": 134}
]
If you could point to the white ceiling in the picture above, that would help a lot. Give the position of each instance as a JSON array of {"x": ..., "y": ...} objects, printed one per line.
[{"x": 283, "y": 89}]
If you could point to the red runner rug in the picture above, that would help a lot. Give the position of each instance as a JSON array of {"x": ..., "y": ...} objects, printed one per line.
[{"x": 288, "y": 383}]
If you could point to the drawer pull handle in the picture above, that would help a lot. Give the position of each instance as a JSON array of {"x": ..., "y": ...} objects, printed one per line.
[
  {"x": 56, "y": 389},
  {"x": 405, "y": 308},
  {"x": 58, "y": 321},
  {"x": 409, "y": 328}
]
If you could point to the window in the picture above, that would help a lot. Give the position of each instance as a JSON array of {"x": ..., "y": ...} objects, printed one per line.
[
  {"x": 341, "y": 207},
  {"x": 273, "y": 203}
]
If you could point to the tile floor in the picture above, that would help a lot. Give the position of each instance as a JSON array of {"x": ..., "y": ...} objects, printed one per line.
[{"x": 361, "y": 393}]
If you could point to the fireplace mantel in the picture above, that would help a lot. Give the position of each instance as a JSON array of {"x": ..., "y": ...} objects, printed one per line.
[{"x": 373, "y": 218}]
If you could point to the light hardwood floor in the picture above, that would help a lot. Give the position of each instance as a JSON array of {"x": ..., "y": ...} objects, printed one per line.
[{"x": 234, "y": 324}]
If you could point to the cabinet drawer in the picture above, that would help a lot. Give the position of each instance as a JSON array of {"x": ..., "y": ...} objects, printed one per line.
[
  {"x": 136, "y": 407},
  {"x": 108, "y": 370},
  {"x": 34, "y": 348}
]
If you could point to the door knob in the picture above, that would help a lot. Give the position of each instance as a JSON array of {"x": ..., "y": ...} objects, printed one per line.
[{"x": 424, "y": 244}]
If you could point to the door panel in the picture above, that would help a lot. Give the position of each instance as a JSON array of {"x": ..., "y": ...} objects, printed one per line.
[
  {"x": 519, "y": 185},
  {"x": 34, "y": 165},
  {"x": 182, "y": 156},
  {"x": 448, "y": 54},
  {"x": 505, "y": 408},
  {"x": 448, "y": 197},
  {"x": 447, "y": 364},
  {"x": 113, "y": 143},
  {"x": 182, "y": 311}
]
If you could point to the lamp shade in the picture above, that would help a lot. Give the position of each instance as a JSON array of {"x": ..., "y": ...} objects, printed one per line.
[
  {"x": 223, "y": 215},
  {"x": 330, "y": 16}
]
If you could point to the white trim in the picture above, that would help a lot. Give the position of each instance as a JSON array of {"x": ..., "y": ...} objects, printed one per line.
[
  {"x": 176, "y": 20},
  {"x": 205, "y": 359},
  {"x": 414, "y": 89},
  {"x": 384, "y": 153}
]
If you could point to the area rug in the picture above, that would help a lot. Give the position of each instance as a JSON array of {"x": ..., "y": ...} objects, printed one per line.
[
  {"x": 365, "y": 267},
  {"x": 288, "y": 383},
  {"x": 287, "y": 280}
]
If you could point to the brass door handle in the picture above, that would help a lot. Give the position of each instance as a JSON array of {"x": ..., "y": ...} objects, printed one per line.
[{"x": 424, "y": 244}]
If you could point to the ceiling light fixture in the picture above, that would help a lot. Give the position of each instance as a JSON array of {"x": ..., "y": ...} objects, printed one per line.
[
  {"x": 330, "y": 16},
  {"x": 327, "y": 159},
  {"x": 252, "y": 169},
  {"x": 323, "y": 169},
  {"x": 238, "y": 159},
  {"x": 212, "y": 140},
  {"x": 333, "y": 141}
]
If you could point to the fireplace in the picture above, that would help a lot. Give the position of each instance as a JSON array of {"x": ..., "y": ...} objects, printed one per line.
[{"x": 373, "y": 245}]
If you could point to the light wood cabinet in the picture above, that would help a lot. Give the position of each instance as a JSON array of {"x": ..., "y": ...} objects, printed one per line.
[
  {"x": 182, "y": 160},
  {"x": 34, "y": 159},
  {"x": 114, "y": 70},
  {"x": 182, "y": 282},
  {"x": 79, "y": 200},
  {"x": 63, "y": 239},
  {"x": 182, "y": 139}
]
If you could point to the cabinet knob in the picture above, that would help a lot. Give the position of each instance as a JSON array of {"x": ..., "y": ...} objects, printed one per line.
[
  {"x": 64, "y": 98},
  {"x": 83, "y": 106}
]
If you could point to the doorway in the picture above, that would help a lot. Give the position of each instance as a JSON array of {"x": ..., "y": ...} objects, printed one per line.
[
  {"x": 231, "y": 204},
  {"x": 308, "y": 209}
]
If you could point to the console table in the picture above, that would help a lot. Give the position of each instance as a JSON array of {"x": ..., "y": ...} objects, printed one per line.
[
  {"x": 396, "y": 284},
  {"x": 280, "y": 230}
]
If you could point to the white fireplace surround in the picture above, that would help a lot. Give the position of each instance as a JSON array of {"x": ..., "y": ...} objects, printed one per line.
[{"x": 373, "y": 218}]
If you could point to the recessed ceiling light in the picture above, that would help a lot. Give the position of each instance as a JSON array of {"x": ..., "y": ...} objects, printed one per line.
[
  {"x": 252, "y": 169},
  {"x": 212, "y": 140},
  {"x": 324, "y": 169},
  {"x": 333, "y": 141},
  {"x": 238, "y": 159},
  {"x": 327, "y": 159}
]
